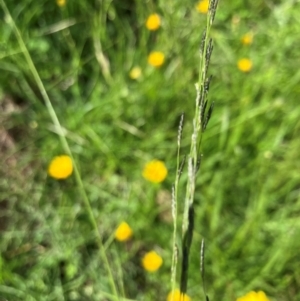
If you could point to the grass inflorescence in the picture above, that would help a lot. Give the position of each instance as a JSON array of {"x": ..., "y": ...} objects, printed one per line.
[
  {"x": 90, "y": 95},
  {"x": 200, "y": 122}
]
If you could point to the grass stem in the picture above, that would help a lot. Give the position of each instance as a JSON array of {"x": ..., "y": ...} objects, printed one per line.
[{"x": 62, "y": 138}]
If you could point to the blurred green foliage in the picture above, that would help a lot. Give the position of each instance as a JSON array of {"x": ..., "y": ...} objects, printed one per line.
[{"x": 248, "y": 200}]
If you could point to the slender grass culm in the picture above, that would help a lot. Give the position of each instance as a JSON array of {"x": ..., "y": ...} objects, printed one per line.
[
  {"x": 200, "y": 122},
  {"x": 65, "y": 145}
]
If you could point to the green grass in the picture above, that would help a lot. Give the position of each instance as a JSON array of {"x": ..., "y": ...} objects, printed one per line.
[{"x": 247, "y": 197}]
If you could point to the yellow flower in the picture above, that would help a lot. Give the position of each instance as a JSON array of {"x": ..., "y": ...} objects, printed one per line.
[
  {"x": 152, "y": 261},
  {"x": 60, "y": 167},
  {"x": 155, "y": 171},
  {"x": 135, "y": 72},
  {"x": 61, "y": 3},
  {"x": 123, "y": 232},
  {"x": 253, "y": 296},
  {"x": 245, "y": 65},
  {"x": 176, "y": 296},
  {"x": 156, "y": 59},
  {"x": 247, "y": 38},
  {"x": 203, "y": 6},
  {"x": 153, "y": 22}
]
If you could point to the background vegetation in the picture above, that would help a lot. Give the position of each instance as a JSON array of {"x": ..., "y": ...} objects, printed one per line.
[{"x": 248, "y": 192}]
